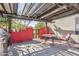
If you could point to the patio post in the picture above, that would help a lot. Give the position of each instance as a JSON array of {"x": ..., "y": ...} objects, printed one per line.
[
  {"x": 9, "y": 30},
  {"x": 46, "y": 28}
]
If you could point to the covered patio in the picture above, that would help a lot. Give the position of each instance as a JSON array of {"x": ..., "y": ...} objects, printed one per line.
[
  {"x": 57, "y": 17},
  {"x": 35, "y": 48}
]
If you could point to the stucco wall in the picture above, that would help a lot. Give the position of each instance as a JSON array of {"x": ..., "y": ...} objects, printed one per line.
[{"x": 66, "y": 23}]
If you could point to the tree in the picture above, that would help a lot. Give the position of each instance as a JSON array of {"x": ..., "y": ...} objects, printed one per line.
[
  {"x": 39, "y": 25},
  {"x": 3, "y": 21},
  {"x": 16, "y": 25}
]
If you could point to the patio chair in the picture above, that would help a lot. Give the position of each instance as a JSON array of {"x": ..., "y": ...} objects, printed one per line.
[
  {"x": 75, "y": 41},
  {"x": 58, "y": 36},
  {"x": 66, "y": 38}
]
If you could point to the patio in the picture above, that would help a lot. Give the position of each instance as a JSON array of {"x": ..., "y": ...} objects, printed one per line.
[
  {"x": 35, "y": 48},
  {"x": 58, "y": 18}
]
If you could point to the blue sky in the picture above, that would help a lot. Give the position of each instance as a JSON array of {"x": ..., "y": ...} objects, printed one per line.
[{"x": 32, "y": 23}]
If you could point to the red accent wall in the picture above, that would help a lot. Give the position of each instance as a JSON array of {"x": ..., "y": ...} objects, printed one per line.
[
  {"x": 44, "y": 31},
  {"x": 25, "y": 35}
]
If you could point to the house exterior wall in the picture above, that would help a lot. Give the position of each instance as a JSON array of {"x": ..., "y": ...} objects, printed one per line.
[{"x": 65, "y": 23}]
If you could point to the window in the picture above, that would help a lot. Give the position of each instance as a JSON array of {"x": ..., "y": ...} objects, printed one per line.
[{"x": 77, "y": 25}]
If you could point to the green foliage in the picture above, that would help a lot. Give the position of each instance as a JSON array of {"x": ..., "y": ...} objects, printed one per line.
[
  {"x": 39, "y": 25},
  {"x": 3, "y": 21},
  {"x": 14, "y": 25},
  {"x": 17, "y": 25}
]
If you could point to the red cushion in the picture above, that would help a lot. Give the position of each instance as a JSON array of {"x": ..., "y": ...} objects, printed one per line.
[{"x": 44, "y": 31}]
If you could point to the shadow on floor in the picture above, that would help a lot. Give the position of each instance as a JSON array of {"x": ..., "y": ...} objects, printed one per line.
[{"x": 38, "y": 49}]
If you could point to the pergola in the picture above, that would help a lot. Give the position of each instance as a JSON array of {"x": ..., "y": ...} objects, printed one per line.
[
  {"x": 37, "y": 11},
  {"x": 46, "y": 12}
]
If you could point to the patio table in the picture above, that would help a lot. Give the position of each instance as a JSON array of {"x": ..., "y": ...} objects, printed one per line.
[{"x": 49, "y": 36}]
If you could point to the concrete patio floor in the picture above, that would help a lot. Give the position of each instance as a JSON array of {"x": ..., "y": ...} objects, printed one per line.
[{"x": 35, "y": 48}]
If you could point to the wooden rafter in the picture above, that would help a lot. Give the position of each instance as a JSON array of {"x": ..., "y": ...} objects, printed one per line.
[
  {"x": 32, "y": 4},
  {"x": 3, "y": 7},
  {"x": 75, "y": 6},
  {"x": 48, "y": 11},
  {"x": 10, "y": 7},
  {"x": 67, "y": 13},
  {"x": 16, "y": 8},
  {"x": 58, "y": 13},
  {"x": 24, "y": 8},
  {"x": 27, "y": 18}
]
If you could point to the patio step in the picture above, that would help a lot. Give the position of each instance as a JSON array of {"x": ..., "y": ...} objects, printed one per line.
[
  {"x": 64, "y": 53},
  {"x": 74, "y": 51}
]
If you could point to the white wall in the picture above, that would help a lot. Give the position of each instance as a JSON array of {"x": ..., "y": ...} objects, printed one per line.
[{"x": 66, "y": 23}]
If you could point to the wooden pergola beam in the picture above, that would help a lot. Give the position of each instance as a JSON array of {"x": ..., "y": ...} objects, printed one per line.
[
  {"x": 10, "y": 7},
  {"x": 24, "y": 8},
  {"x": 30, "y": 7},
  {"x": 16, "y": 10},
  {"x": 48, "y": 11},
  {"x": 58, "y": 13},
  {"x": 64, "y": 14},
  {"x": 15, "y": 7},
  {"x": 75, "y": 5},
  {"x": 27, "y": 18},
  {"x": 3, "y": 7},
  {"x": 1, "y": 14},
  {"x": 30, "y": 18},
  {"x": 54, "y": 7}
]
